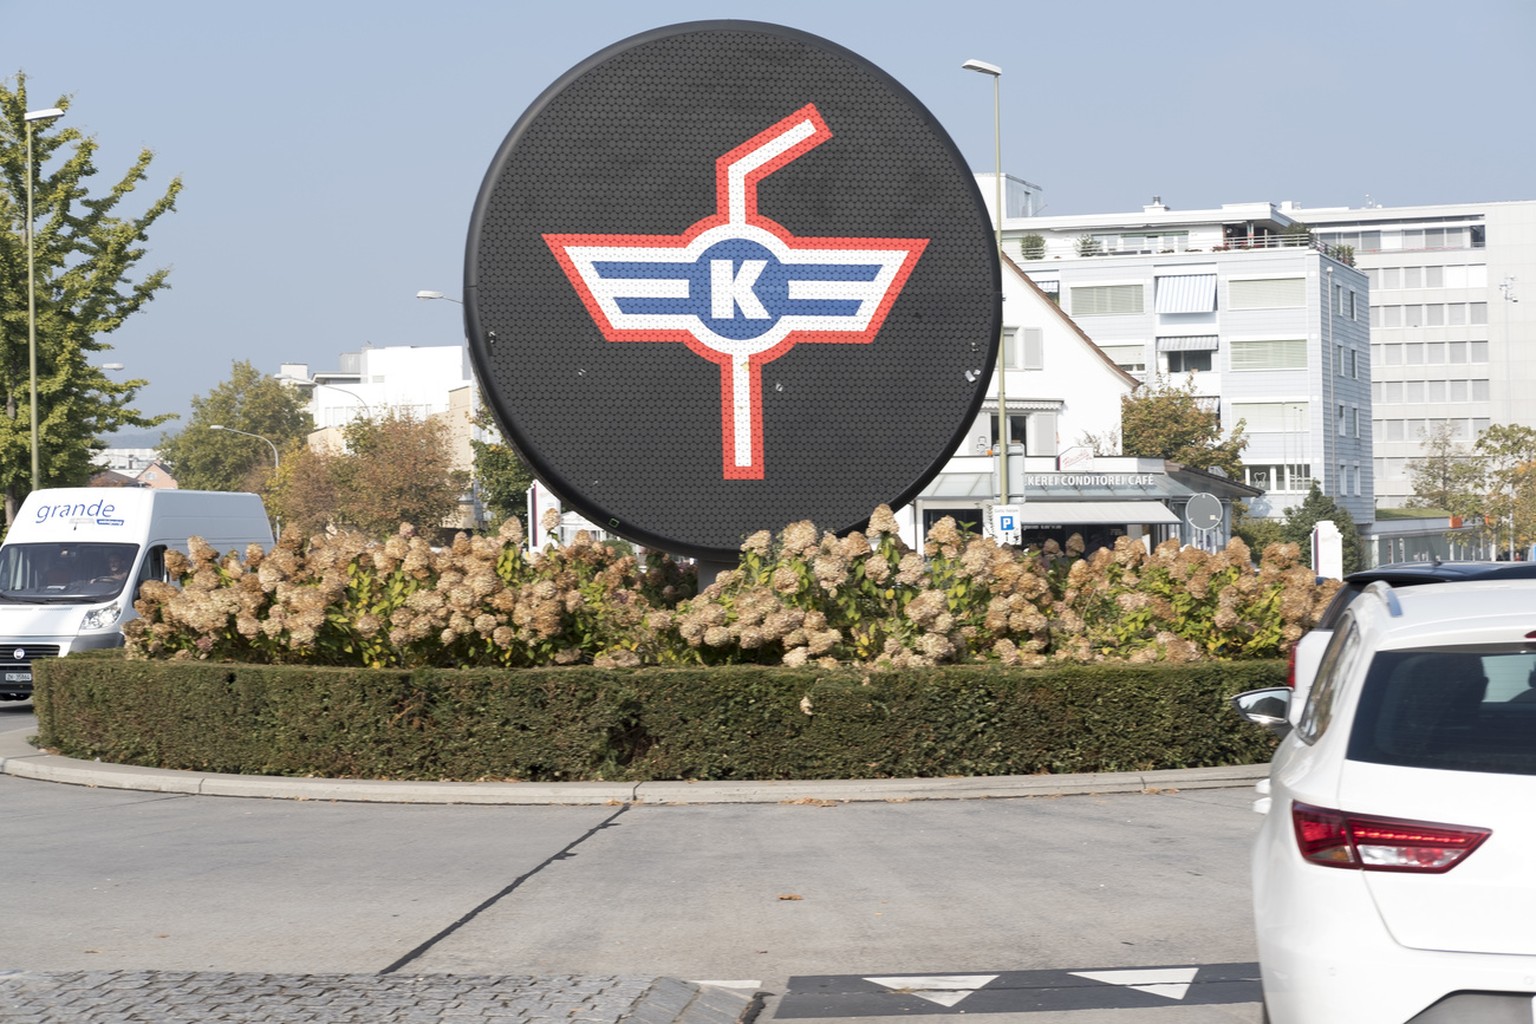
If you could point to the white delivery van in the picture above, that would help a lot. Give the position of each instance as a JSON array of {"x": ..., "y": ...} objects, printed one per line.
[{"x": 75, "y": 557}]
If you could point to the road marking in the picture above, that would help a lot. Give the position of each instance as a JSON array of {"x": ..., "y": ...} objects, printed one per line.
[
  {"x": 1172, "y": 984},
  {"x": 944, "y": 989},
  {"x": 1051, "y": 991}
]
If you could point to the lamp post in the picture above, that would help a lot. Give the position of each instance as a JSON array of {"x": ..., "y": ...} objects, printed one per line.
[
  {"x": 996, "y": 73},
  {"x": 247, "y": 433},
  {"x": 277, "y": 532},
  {"x": 30, "y": 118},
  {"x": 1330, "y": 392},
  {"x": 474, "y": 478},
  {"x": 305, "y": 382}
]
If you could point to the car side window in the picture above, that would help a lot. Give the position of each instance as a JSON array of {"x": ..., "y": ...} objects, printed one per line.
[{"x": 1338, "y": 662}]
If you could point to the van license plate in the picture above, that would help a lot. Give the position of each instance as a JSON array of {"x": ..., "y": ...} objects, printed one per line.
[{"x": 18, "y": 677}]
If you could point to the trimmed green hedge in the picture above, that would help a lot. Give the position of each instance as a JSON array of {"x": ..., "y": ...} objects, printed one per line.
[{"x": 741, "y": 722}]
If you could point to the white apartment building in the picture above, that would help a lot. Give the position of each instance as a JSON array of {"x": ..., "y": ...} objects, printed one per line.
[
  {"x": 1274, "y": 329},
  {"x": 1451, "y": 341},
  {"x": 1057, "y": 387}
]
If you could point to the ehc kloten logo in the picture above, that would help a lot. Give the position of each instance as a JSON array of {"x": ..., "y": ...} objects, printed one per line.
[
  {"x": 739, "y": 289},
  {"x": 726, "y": 276}
]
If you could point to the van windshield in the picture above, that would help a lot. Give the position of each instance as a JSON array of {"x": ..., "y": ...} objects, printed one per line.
[{"x": 65, "y": 573}]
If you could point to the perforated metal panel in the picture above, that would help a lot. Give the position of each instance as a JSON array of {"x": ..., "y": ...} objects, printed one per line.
[{"x": 724, "y": 276}]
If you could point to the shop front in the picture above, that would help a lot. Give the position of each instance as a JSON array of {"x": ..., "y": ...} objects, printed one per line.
[{"x": 1148, "y": 500}]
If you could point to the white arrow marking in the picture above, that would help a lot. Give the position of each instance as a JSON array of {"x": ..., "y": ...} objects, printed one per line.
[
  {"x": 944, "y": 989},
  {"x": 1172, "y": 983}
]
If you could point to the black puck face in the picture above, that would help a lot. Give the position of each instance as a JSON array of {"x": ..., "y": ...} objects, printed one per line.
[{"x": 726, "y": 276}]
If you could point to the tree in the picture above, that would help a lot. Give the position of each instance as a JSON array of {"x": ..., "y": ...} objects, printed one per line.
[
  {"x": 1315, "y": 508},
  {"x": 1448, "y": 477},
  {"x": 86, "y": 254},
  {"x": 249, "y": 401},
  {"x": 503, "y": 477},
  {"x": 1508, "y": 453},
  {"x": 395, "y": 469},
  {"x": 1160, "y": 421}
]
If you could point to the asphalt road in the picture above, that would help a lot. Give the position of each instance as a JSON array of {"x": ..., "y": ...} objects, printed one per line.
[{"x": 1018, "y": 909}]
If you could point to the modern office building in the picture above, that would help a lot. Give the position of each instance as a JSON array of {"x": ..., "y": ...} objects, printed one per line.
[
  {"x": 1272, "y": 324},
  {"x": 1451, "y": 342}
]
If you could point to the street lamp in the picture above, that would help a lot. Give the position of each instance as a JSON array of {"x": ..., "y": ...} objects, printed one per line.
[
  {"x": 277, "y": 532},
  {"x": 32, "y": 117},
  {"x": 286, "y": 379},
  {"x": 437, "y": 295},
  {"x": 246, "y": 433},
  {"x": 996, "y": 73},
  {"x": 1330, "y": 392}
]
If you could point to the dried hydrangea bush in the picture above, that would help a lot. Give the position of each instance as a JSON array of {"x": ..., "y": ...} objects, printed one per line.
[{"x": 800, "y": 597}]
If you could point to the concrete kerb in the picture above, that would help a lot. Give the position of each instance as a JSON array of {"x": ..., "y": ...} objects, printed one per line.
[{"x": 20, "y": 758}]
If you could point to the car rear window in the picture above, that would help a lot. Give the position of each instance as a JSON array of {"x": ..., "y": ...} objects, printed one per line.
[{"x": 1458, "y": 709}]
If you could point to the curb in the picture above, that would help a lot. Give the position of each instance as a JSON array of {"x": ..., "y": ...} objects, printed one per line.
[{"x": 19, "y": 758}]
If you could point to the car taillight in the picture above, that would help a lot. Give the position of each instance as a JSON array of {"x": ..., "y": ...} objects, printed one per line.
[
  {"x": 1340, "y": 839},
  {"x": 1290, "y": 668}
]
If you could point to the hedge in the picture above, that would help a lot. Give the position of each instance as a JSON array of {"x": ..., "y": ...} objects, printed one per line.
[{"x": 587, "y": 723}]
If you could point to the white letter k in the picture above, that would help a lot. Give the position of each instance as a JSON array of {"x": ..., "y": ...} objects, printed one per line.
[{"x": 728, "y": 290}]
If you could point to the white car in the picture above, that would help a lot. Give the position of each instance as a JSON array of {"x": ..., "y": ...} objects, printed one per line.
[
  {"x": 1394, "y": 877},
  {"x": 1308, "y": 651}
]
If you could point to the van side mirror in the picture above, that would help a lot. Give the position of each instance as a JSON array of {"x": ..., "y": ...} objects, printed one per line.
[{"x": 1268, "y": 707}]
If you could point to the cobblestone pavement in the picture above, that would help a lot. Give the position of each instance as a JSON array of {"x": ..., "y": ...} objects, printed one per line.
[{"x": 200, "y": 997}]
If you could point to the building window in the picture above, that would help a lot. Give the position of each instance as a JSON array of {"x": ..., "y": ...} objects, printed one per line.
[
  {"x": 1267, "y": 293},
  {"x": 1354, "y": 365},
  {"x": 1278, "y": 477},
  {"x": 1354, "y": 313},
  {"x": 1108, "y": 299},
  {"x": 1271, "y": 417},
  {"x": 1280, "y": 354},
  {"x": 1186, "y": 362},
  {"x": 1338, "y": 360},
  {"x": 1186, "y": 293},
  {"x": 1339, "y": 421},
  {"x": 1034, "y": 348},
  {"x": 1130, "y": 358},
  {"x": 1354, "y": 417}
]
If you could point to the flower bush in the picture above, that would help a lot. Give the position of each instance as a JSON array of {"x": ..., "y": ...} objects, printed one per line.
[{"x": 799, "y": 597}]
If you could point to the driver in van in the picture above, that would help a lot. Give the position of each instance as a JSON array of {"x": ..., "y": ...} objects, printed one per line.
[{"x": 117, "y": 568}]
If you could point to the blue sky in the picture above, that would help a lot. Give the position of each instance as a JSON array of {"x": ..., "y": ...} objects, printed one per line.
[{"x": 332, "y": 150}]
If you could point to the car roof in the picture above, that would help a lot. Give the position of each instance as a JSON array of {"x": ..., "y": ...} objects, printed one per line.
[
  {"x": 1471, "y": 611},
  {"x": 1410, "y": 573}
]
